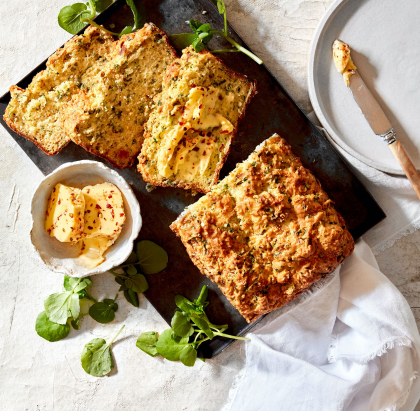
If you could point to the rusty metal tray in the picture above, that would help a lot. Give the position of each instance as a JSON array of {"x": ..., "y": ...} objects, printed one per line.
[{"x": 271, "y": 110}]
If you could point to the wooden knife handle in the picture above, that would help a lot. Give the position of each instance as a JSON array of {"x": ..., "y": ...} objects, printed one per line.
[{"x": 412, "y": 174}]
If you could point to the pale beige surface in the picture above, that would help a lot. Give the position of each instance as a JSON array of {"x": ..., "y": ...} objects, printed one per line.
[{"x": 35, "y": 374}]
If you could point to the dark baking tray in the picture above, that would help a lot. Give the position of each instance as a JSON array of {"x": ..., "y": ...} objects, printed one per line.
[{"x": 272, "y": 110}]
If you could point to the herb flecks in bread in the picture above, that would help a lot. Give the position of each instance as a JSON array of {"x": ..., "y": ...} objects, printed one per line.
[
  {"x": 266, "y": 232},
  {"x": 96, "y": 91},
  {"x": 194, "y": 119},
  {"x": 110, "y": 117}
]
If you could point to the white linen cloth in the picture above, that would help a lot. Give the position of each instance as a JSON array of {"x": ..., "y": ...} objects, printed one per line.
[{"x": 352, "y": 344}]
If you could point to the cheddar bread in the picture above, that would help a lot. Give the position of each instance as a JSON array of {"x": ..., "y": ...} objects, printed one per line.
[
  {"x": 96, "y": 91},
  {"x": 190, "y": 129},
  {"x": 266, "y": 232}
]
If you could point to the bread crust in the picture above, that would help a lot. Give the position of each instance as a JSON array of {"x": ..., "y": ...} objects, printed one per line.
[{"x": 266, "y": 232}]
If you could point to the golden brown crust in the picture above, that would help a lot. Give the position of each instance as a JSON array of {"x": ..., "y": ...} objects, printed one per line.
[
  {"x": 266, "y": 232},
  {"x": 231, "y": 92}
]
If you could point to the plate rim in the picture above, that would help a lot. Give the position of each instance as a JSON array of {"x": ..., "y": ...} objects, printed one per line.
[{"x": 336, "y": 139}]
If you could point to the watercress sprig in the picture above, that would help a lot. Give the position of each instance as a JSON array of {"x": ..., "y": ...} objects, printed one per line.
[
  {"x": 96, "y": 356},
  {"x": 75, "y": 17},
  {"x": 149, "y": 258},
  {"x": 202, "y": 33},
  {"x": 63, "y": 309},
  {"x": 190, "y": 327}
]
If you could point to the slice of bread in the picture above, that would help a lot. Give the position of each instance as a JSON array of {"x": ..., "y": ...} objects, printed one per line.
[
  {"x": 195, "y": 117},
  {"x": 96, "y": 91},
  {"x": 108, "y": 119},
  {"x": 39, "y": 111}
]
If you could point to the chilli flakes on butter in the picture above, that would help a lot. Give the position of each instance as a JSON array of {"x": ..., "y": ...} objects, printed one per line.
[{"x": 92, "y": 217}]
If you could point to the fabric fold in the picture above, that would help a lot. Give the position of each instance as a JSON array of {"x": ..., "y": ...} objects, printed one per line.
[{"x": 351, "y": 345}]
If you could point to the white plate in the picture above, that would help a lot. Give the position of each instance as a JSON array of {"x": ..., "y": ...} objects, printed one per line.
[{"x": 384, "y": 36}]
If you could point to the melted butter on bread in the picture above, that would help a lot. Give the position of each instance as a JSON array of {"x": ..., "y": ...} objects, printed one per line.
[
  {"x": 205, "y": 109},
  {"x": 342, "y": 60}
]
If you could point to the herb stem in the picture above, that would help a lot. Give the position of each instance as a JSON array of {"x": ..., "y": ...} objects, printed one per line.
[
  {"x": 93, "y": 23},
  {"x": 240, "y": 47},
  {"x": 231, "y": 336},
  {"x": 116, "y": 335},
  {"x": 225, "y": 50}
]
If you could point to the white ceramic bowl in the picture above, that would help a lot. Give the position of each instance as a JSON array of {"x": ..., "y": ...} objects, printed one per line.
[{"x": 61, "y": 257}]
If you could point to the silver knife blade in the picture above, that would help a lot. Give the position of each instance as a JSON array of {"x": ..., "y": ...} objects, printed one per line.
[{"x": 370, "y": 107}]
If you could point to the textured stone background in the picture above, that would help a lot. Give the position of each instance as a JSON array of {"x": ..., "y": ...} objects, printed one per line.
[{"x": 37, "y": 375}]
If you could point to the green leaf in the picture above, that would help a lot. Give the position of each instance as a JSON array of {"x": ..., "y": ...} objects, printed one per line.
[
  {"x": 75, "y": 323},
  {"x": 57, "y": 307},
  {"x": 184, "y": 304},
  {"x": 152, "y": 257},
  {"x": 96, "y": 358},
  {"x": 205, "y": 27},
  {"x": 138, "y": 283},
  {"x": 221, "y": 7},
  {"x": 76, "y": 284},
  {"x": 120, "y": 280},
  {"x": 198, "y": 45},
  {"x": 101, "y": 5},
  {"x": 194, "y": 24},
  {"x": 132, "y": 297},
  {"x": 135, "y": 12},
  {"x": 74, "y": 306},
  {"x": 147, "y": 342},
  {"x": 50, "y": 330},
  {"x": 167, "y": 347},
  {"x": 70, "y": 17},
  {"x": 203, "y": 325},
  {"x": 188, "y": 355},
  {"x": 183, "y": 40},
  {"x": 131, "y": 270},
  {"x": 181, "y": 325},
  {"x": 103, "y": 312},
  {"x": 202, "y": 297}
]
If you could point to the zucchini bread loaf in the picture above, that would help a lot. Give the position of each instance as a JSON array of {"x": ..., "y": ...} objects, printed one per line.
[
  {"x": 95, "y": 91},
  {"x": 196, "y": 115},
  {"x": 266, "y": 232}
]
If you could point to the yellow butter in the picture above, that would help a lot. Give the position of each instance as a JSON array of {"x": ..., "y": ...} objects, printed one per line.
[
  {"x": 187, "y": 151},
  {"x": 65, "y": 214},
  {"x": 93, "y": 250},
  {"x": 104, "y": 210},
  {"x": 342, "y": 60},
  {"x": 93, "y": 217}
]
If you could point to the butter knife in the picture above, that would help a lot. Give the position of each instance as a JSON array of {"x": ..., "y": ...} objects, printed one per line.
[{"x": 373, "y": 112}]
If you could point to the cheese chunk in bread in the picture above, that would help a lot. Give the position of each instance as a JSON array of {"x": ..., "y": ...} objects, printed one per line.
[{"x": 64, "y": 219}]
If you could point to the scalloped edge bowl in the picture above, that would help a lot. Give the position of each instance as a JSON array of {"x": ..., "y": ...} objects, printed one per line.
[{"x": 62, "y": 257}]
